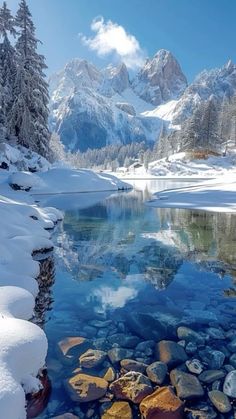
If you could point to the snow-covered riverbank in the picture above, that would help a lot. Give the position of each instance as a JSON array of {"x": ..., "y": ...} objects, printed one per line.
[
  {"x": 218, "y": 195},
  {"x": 25, "y": 229}
]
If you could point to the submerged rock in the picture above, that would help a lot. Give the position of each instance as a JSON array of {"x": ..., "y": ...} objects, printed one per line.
[
  {"x": 146, "y": 326},
  {"x": 117, "y": 354},
  {"x": 133, "y": 386},
  {"x": 92, "y": 358},
  {"x": 215, "y": 359},
  {"x": 156, "y": 372},
  {"x": 65, "y": 347},
  {"x": 110, "y": 375},
  {"x": 132, "y": 365},
  {"x": 170, "y": 353},
  {"x": 202, "y": 411},
  {"x": 123, "y": 340},
  {"x": 232, "y": 345},
  {"x": 220, "y": 401},
  {"x": 189, "y": 335},
  {"x": 194, "y": 366},
  {"x": 215, "y": 333},
  {"x": 118, "y": 410},
  {"x": 230, "y": 384},
  {"x": 85, "y": 388},
  {"x": 191, "y": 348},
  {"x": 210, "y": 376},
  {"x": 162, "y": 404},
  {"x": 187, "y": 385}
]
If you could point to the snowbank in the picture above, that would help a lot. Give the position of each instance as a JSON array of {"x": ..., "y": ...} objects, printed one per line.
[
  {"x": 23, "y": 346},
  {"x": 65, "y": 180},
  {"x": 218, "y": 195},
  {"x": 181, "y": 166}
]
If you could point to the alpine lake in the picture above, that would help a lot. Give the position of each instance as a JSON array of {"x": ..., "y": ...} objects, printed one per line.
[{"x": 140, "y": 299}]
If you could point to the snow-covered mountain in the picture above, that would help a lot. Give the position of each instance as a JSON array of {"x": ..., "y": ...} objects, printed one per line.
[{"x": 92, "y": 108}]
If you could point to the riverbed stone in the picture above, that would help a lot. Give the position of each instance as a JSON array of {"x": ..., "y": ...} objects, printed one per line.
[
  {"x": 232, "y": 360},
  {"x": 110, "y": 375},
  {"x": 132, "y": 365},
  {"x": 66, "y": 348},
  {"x": 209, "y": 376},
  {"x": 230, "y": 384},
  {"x": 220, "y": 401},
  {"x": 132, "y": 386},
  {"x": 194, "y": 366},
  {"x": 123, "y": 340},
  {"x": 156, "y": 372},
  {"x": 146, "y": 326},
  {"x": 201, "y": 411},
  {"x": 118, "y": 410},
  {"x": 170, "y": 353},
  {"x": 187, "y": 386},
  {"x": 117, "y": 354},
  {"x": 215, "y": 359},
  {"x": 215, "y": 333},
  {"x": 162, "y": 404},
  {"x": 191, "y": 348},
  {"x": 85, "y": 388},
  {"x": 232, "y": 345},
  {"x": 92, "y": 358},
  {"x": 145, "y": 346},
  {"x": 189, "y": 335}
]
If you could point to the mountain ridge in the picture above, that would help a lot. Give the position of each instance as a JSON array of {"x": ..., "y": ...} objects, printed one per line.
[{"x": 92, "y": 108}]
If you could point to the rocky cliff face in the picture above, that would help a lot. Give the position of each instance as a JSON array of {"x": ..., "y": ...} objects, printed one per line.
[{"x": 160, "y": 80}]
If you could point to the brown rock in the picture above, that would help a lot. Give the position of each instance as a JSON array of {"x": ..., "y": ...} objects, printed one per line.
[
  {"x": 170, "y": 353},
  {"x": 85, "y": 388},
  {"x": 65, "y": 346},
  {"x": 119, "y": 410},
  {"x": 110, "y": 375},
  {"x": 162, "y": 404},
  {"x": 133, "y": 386}
]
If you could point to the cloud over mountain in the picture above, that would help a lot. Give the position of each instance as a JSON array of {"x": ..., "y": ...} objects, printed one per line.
[{"x": 112, "y": 39}]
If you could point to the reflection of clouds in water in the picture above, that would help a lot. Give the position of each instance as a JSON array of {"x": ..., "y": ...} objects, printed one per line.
[{"x": 111, "y": 298}]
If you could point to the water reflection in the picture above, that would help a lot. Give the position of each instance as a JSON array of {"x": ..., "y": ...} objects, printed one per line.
[{"x": 131, "y": 266}]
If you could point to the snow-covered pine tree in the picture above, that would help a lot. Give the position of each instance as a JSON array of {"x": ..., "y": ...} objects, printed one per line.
[
  {"x": 7, "y": 68},
  {"x": 30, "y": 112}
]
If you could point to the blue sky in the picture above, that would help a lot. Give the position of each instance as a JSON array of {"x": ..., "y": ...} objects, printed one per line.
[{"x": 200, "y": 33}]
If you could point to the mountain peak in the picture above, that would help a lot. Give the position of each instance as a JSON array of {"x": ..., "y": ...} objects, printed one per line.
[{"x": 160, "y": 79}]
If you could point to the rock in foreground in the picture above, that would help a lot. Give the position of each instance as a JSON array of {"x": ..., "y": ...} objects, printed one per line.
[
  {"x": 170, "y": 353},
  {"x": 85, "y": 388},
  {"x": 133, "y": 386},
  {"x": 119, "y": 410},
  {"x": 162, "y": 404}
]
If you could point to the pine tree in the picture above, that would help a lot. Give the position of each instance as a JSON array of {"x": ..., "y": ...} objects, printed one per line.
[
  {"x": 7, "y": 67},
  {"x": 29, "y": 116}
]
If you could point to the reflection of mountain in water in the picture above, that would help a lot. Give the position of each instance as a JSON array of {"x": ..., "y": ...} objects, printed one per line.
[{"x": 121, "y": 235}]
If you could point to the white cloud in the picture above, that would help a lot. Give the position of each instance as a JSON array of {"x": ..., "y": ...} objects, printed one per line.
[{"x": 111, "y": 38}]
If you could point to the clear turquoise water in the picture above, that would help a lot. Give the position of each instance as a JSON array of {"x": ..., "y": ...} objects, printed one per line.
[{"x": 116, "y": 256}]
